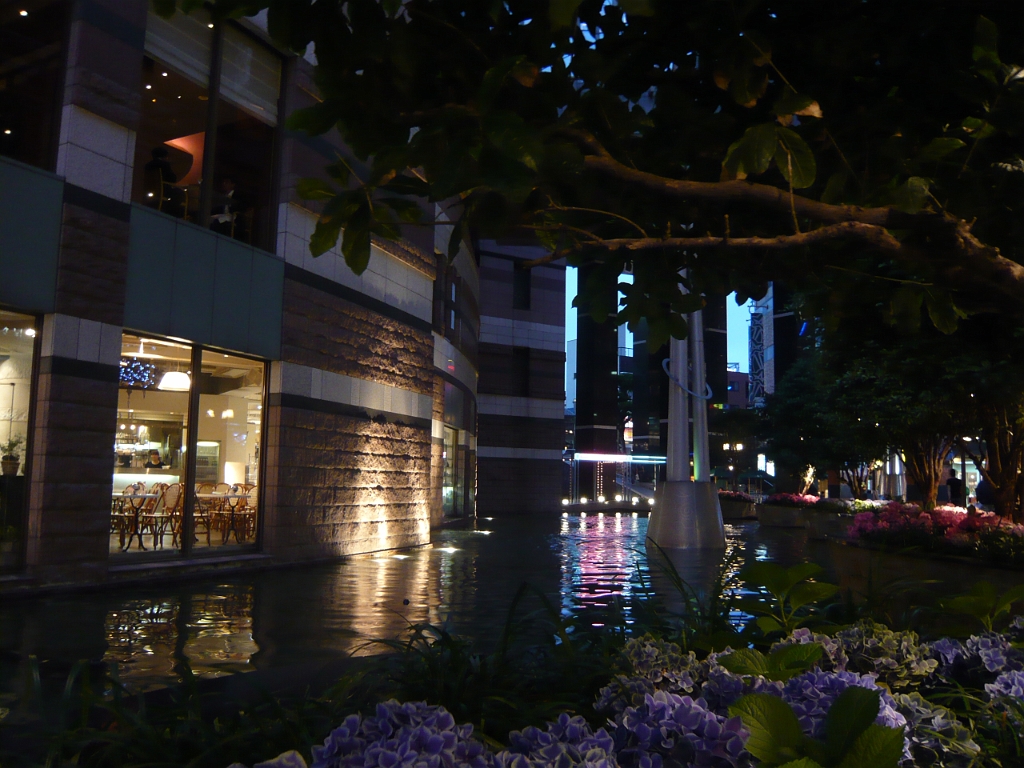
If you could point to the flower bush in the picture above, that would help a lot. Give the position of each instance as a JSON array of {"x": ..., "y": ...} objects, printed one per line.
[
  {"x": 897, "y": 659},
  {"x": 791, "y": 500},
  {"x": 944, "y": 530},
  {"x": 725, "y": 495},
  {"x": 402, "y": 735},
  {"x": 667, "y": 708}
]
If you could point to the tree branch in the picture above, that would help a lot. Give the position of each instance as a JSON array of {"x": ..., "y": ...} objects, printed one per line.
[{"x": 851, "y": 230}]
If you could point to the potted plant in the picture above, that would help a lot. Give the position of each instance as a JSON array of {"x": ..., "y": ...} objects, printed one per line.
[
  {"x": 10, "y": 458},
  {"x": 785, "y": 510},
  {"x": 736, "y": 505}
]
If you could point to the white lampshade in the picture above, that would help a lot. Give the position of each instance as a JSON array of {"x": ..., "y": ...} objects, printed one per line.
[{"x": 175, "y": 381}]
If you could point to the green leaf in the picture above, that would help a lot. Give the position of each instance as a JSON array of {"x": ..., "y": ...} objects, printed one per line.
[
  {"x": 768, "y": 625},
  {"x": 753, "y": 152},
  {"x": 563, "y": 12},
  {"x": 943, "y": 313},
  {"x": 911, "y": 196},
  {"x": 406, "y": 210},
  {"x": 637, "y": 7},
  {"x": 938, "y": 148},
  {"x": 810, "y": 592},
  {"x": 314, "y": 189},
  {"x": 1008, "y": 598},
  {"x": 407, "y": 185},
  {"x": 789, "y": 660},
  {"x": 774, "y": 729},
  {"x": 850, "y": 715},
  {"x": 355, "y": 245},
  {"x": 977, "y": 128},
  {"x": 986, "y": 40},
  {"x": 803, "y": 762},
  {"x": 905, "y": 307},
  {"x": 325, "y": 237},
  {"x": 795, "y": 155},
  {"x": 834, "y": 188},
  {"x": 748, "y": 84},
  {"x": 791, "y": 102},
  {"x": 877, "y": 747},
  {"x": 745, "y": 661}
]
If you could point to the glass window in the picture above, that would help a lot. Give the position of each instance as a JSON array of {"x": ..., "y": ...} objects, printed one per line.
[
  {"x": 228, "y": 449},
  {"x": 32, "y": 34},
  {"x": 150, "y": 445},
  {"x": 171, "y": 140},
  {"x": 17, "y": 344},
  {"x": 243, "y": 173},
  {"x": 154, "y": 495}
]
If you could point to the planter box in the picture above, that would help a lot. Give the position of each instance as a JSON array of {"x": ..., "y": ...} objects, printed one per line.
[
  {"x": 782, "y": 517},
  {"x": 864, "y": 570},
  {"x": 737, "y": 510},
  {"x": 827, "y": 525}
]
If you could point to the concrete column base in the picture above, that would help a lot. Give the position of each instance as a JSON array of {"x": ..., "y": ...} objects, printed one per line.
[{"x": 686, "y": 515}]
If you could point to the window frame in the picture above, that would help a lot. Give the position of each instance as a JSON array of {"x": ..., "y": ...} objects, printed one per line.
[
  {"x": 213, "y": 91},
  {"x": 187, "y": 550}
]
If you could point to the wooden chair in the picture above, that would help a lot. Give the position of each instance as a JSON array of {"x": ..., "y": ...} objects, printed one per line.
[
  {"x": 151, "y": 517},
  {"x": 173, "y": 503}
]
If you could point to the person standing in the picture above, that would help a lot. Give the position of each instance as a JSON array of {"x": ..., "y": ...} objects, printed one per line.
[{"x": 956, "y": 488}]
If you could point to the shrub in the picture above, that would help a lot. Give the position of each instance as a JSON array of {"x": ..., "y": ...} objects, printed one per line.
[{"x": 791, "y": 500}]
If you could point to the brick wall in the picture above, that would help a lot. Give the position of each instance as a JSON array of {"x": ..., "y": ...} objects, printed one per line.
[
  {"x": 69, "y": 496},
  {"x": 343, "y": 478},
  {"x": 342, "y": 485}
]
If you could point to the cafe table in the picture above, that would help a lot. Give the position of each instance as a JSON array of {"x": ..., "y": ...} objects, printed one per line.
[
  {"x": 234, "y": 500},
  {"x": 136, "y": 501}
]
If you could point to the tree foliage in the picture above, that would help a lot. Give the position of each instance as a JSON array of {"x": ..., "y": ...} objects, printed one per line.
[{"x": 742, "y": 141}]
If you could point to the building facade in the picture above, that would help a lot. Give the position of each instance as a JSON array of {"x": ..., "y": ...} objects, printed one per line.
[
  {"x": 521, "y": 390},
  {"x": 183, "y": 387}
]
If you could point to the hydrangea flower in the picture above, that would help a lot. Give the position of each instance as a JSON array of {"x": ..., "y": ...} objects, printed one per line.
[
  {"x": 898, "y": 659},
  {"x": 812, "y": 694},
  {"x": 653, "y": 665},
  {"x": 722, "y": 688},
  {"x": 1008, "y": 684},
  {"x": 936, "y": 737},
  {"x": 994, "y": 651},
  {"x": 833, "y": 657},
  {"x": 679, "y": 730},
  {"x": 948, "y": 652},
  {"x": 402, "y": 735},
  {"x": 567, "y": 742}
]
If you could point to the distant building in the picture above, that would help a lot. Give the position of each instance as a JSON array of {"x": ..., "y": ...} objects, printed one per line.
[{"x": 737, "y": 389}]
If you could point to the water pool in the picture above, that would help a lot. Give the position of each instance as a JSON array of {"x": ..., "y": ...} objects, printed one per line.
[{"x": 305, "y": 615}]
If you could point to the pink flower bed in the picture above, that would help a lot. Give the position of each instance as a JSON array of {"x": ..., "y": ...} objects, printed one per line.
[
  {"x": 735, "y": 496},
  {"x": 791, "y": 500},
  {"x": 945, "y": 529}
]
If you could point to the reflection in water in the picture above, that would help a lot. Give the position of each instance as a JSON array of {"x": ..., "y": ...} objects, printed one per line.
[{"x": 313, "y": 615}]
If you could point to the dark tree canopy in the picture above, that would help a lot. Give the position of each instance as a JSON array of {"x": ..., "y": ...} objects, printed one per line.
[{"x": 743, "y": 140}]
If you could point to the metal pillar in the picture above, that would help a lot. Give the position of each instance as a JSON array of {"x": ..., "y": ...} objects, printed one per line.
[{"x": 686, "y": 513}]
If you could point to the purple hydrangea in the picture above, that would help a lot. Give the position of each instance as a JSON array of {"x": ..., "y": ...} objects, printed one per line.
[
  {"x": 1007, "y": 685},
  {"x": 567, "y": 742},
  {"x": 995, "y": 652},
  {"x": 722, "y": 688},
  {"x": 679, "y": 730},
  {"x": 652, "y": 665},
  {"x": 812, "y": 694},
  {"x": 402, "y": 735},
  {"x": 948, "y": 652},
  {"x": 936, "y": 737}
]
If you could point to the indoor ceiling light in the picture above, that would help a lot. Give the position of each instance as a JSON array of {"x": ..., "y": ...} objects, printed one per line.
[
  {"x": 227, "y": 413},
  {"x": 175, "y": 381}
]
